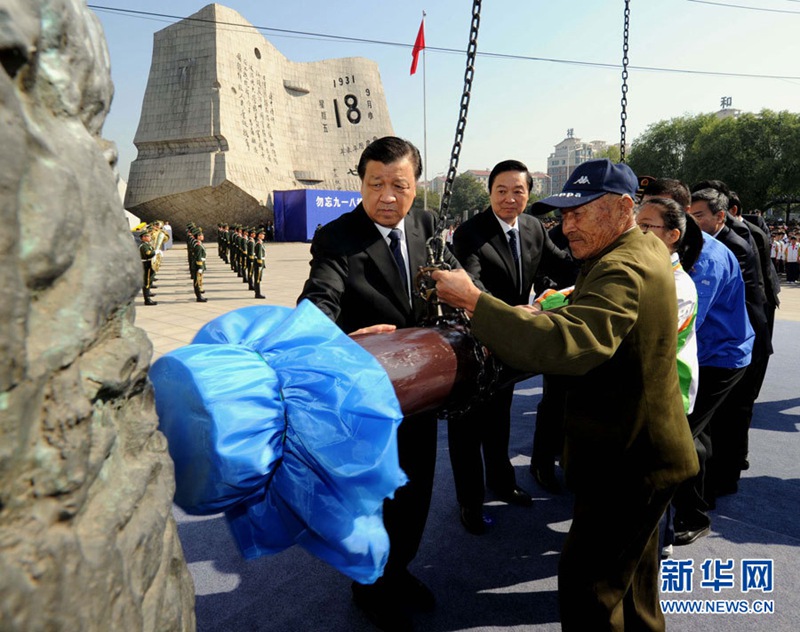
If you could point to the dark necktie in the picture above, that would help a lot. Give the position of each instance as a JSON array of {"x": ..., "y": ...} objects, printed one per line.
[
  {"x": 395, "y": 247},
  {"x": 512, "y": 243}
]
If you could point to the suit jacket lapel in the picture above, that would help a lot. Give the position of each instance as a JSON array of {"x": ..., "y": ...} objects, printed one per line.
[
  {"x": 526, "y": 245},
  {"x": 417, "y": 241},
  {"x": 722, "y": 235},
  {"x": 378, "y": 250},
  {"x": 499, "y": 242}
]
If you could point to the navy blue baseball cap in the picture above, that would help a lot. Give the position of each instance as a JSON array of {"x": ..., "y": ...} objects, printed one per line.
[{"x": 589, "y": 181}]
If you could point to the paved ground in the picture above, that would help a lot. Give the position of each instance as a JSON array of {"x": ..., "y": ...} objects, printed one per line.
[
  {"x": 177, "y": 317},
  {"x": 504, "y": 580}
]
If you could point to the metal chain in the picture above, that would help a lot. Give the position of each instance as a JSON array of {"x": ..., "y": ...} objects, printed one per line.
[
  {"x": 487, "y": 367},
  {"x": 425, "y": 286},
  {"x": 472, "y": 50},
  {"x": 624, "y": 101}
]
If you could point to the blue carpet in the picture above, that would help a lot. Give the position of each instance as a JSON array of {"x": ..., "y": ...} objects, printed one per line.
[{"x": 506, "y": 580}]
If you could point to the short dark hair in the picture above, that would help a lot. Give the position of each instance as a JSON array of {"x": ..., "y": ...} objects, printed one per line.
[
  {"x": 690, "y": 242},
  {"x": 733, "y": 200},
  {"x": 717, "y": 185},
  {"x": 510, "y": 165},
  {"x": 716, "y": 200},
  {"x": 669, "y": 188},
  {"x": 387, "y": 150}
]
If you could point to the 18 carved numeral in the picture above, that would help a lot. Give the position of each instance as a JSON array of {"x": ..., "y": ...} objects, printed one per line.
[{"x": 353, "y": 114}]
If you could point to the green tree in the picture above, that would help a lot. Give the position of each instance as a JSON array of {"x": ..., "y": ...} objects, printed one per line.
[
  {"x": 468, "y": 195},
  {"x": 532, "y": 199},
  {"x": 434, "y": 199},
  {"x": 663, "y": 148},
  {"x": 611, "y": 152},
  {"x": 788, "y": 180},
  {"x": 757, "y": 155}
]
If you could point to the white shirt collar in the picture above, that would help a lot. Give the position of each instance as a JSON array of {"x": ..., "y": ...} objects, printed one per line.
[
  {"x": 505, "y": 225},
  {"x": 384, "y": 230}
]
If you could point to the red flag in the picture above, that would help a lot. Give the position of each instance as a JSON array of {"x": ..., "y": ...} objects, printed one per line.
[{"x": 419, "y": 44}]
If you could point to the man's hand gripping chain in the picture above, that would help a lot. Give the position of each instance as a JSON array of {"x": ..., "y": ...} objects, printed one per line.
[
  {"x": 446, "y": 317},
  {"x": 437, "y": 314}
]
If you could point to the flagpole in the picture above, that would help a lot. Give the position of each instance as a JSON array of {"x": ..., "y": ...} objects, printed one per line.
[{"x": 424, "y": 130}]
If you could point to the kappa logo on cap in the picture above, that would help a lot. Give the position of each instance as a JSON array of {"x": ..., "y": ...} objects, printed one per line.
[{"x": 582, "y": 180}]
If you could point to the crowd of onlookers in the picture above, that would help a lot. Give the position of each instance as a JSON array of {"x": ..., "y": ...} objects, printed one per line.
[{"x": 784, "y": 248}]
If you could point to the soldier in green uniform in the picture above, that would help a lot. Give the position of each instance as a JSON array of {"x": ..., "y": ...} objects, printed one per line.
[
  {"x": 245, "y": 262},
  {"x": 260, "y": 254},
  {"x": 158, "y": 238},
  {"x": 147, "y": 252},
  {"x": 190, "y": 228},
  {"x": 251, "y": 258},
  {"x": 199, "y": 259},
  {"x": 223, "y": 242},
  {"x": 231, "y": 246},
  {"x": 237, "y": 251}
]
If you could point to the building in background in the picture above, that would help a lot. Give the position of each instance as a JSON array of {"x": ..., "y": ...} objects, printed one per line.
[
  {"x": 227, "y": 119},
  {"x": 437, "y": 185},
  {"x": 726, "y": 109},
  {"x": 481, "y": 176},
  {"x": 541, "y": 184},
  {"x": 568, "y": 154}
]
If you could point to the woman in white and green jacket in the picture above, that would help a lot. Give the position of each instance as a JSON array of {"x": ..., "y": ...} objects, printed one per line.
[
  {"x": 669, "y": 222},
  {"x": 666, "y": 219}
]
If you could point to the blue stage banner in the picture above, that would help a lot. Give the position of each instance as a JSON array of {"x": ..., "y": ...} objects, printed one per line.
[{"x": 299, "y": 212}]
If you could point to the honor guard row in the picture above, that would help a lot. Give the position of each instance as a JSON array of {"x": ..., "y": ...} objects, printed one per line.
[{"x": 243, "y": 248}]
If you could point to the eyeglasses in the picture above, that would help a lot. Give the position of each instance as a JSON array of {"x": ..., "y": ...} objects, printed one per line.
[{"x": 646, "y": 227}]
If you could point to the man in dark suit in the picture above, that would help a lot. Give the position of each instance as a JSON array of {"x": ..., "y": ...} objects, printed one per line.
[
  {"x": 362, "y": 272},
  {"x": 729, "y": 427},
  {"x": 755, "y": 229},
  {"x": 753, "y": 379},
  {"x": 504, "y": 249}
]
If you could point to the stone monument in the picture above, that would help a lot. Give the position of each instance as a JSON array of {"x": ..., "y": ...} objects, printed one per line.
[
  {"x": 227, "y": 119},
  {"x": 87, "y": 537}
]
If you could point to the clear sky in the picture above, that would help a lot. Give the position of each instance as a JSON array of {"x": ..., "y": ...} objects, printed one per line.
[{"x": 520, "y": 108}]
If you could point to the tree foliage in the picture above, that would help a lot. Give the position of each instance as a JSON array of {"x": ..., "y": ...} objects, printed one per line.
[
  {"x": 434, "y": 199},
  {"x": 757, "y": 155},
  {"x": 468, "y": 195},
  {"x": 611, "y": 152}
]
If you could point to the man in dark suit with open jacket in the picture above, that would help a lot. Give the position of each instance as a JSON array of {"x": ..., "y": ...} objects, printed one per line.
[
  {"x": 362, "y": 270},
  {"x": 504, "y": 249},
  {"x": 729, "y": 427}
]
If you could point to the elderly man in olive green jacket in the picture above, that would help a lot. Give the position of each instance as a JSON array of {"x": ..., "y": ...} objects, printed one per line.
[{"x": 628, "y": 443}]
